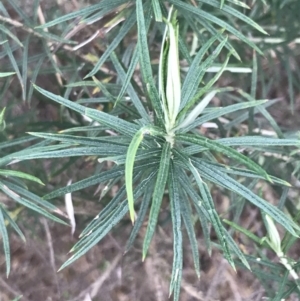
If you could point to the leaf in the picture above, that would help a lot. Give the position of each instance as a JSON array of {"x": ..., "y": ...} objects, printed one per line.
[
  {"x": 211, "y": 210},
  {"x": 113, "y": 122},
  {"x": 86, "y": 11},
  {"x": 198, "y": 203},
  {"x": 208, "y": 85},
  {"x": 25, "y": 66},
  {"x": 215, "y": 146},
  {"x": 29, "y": 204},
  {"x": 5, "y": 239},
  {"x": 14, "y": 64},
  {"x": 196, "y": 72},
  {"x": 96, "y": 179},
  {"x": 235, "y": 13},
  {"x": 141, "y": 215},
  {"x": 258, "y": 141},
  {"x": 235, "y": 249},
  {"x": 244, "y": 231},
  {"x": 157, "y": 10},
  {"x": 145, "y": 63},
  {"x": 10, "y": 34},
  {"x": 16, "y": 141},
  {"x": 157, "y": 197},
  {"x": 190, "y": 118},
  {"x": 19, "y": 174},
  {"x": 211, "y": 18},
  {"x": 220, "y": 178},
  {"x": 130, "y": 159},
  {"x": 172, "y": 72},
  {"x": 187, "y": 216},
  {"x": 95, "y": 236},
  {"x": 32, "y": 197},
  {"x": 5, "y": 74},
  {"x": 104, "y": 225},
  {"x": 177, "y": 235},
  {"x": 127, "y": 85},
  {"x": 128, "y": 24},
  {"x": 10, "y": 221},
  {"x": 88, "y": 141},
  {"x": 220, "y": 112}
]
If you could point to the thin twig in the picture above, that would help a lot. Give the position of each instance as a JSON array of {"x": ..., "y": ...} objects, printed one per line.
[
  {"x": 11, "y": 290},
  {"x": 54, "y": 57},
  {"x": 190, "y": 290},
  {"x": 94, "y": 288},
  {"x": 216, "y": 280},
  {"x": 51, "y": 253}
]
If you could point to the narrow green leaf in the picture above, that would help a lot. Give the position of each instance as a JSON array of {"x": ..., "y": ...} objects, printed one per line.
[
  {"x": 19, "y": 174},
  {"x": 5, "y": 239},
  {"x": 208, "y": 86},
  {"x": 5, "y": 74},
  {"x": 235, "y": 13},
  {"x": 211, "y": 18},
  {"x": 258, "y": 141},
  {"x": 190, "y": 118},
  {"x": 80, "y": 140},
  {"x": 13, "y": 223},
  {"x": 141, "y": 155},
  {"x": 198, "y": 203},
  {"x": 242, "y": 172},
  {"x": 95, "y": 236},
  {"x": 211, "y": 210},
  {"x": 141, "y": 215},
  {"x": 230, "y": 152},
  {"x": 195, "y": 73},
  {"x": 127, "y": 77},
  {"x": 14, "y": 64},
  {"x": 96, "y": 179},
  {"x": 145, "y": 62},
  {"x": 157, "y": 10},
  {"x": 127, "y": 85},
  {"x": 187, "y": 215},
  {"x": 25, "y": 66},
  {"x": 29, "y": 204},
  {"x": 246, "y": 232},
  {"x": 128, "y": 24},
  {"x": 253, "y": 91},
  {"x": 235, "y": 249},
  {"x": 220, "y": 112},
  {"x": 32, "y": 197},
  {"x": 130, "y": 159},
  {"x": 16, "y": 141},
  {"x": 177, "y": 235},
  {"x": 104, "y": 150},
  {"x": 220, "y": 178},
  {"x": 10, "y": 34},
  {"x": 113, "y": 204},
  {"x": 113, "y": 122},
  {"x": 85, "y": 11},
  {"x": 158, "y": 193},
  {"x": 36, "y": 71}
]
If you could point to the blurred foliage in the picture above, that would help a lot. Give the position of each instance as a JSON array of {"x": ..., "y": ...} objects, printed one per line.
[{"x": 103, "y": 81}]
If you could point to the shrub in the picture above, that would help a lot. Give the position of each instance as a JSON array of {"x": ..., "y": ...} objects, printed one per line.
[{"x": 153, "y": 137}]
